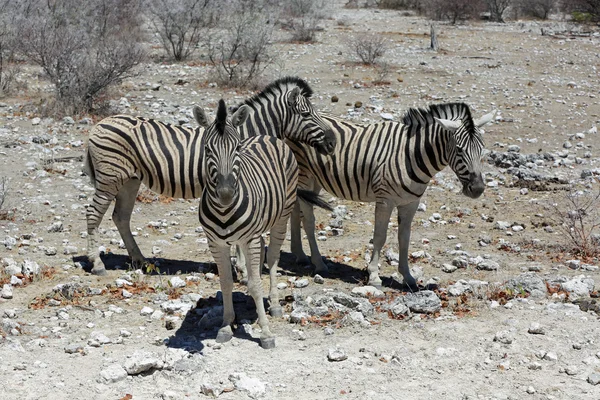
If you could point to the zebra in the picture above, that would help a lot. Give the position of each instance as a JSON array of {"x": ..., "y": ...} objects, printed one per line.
[
  {"x": 123, "y": 151},
  {"x": 249, "y": 188},
  {"x": 391, "y": 164}
]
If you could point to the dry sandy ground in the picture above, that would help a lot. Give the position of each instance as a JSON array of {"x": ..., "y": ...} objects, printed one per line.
[{"x": 546, "y": 89}]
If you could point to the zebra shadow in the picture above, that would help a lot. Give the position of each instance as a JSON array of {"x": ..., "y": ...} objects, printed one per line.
[
  {"x": 203, "y": 321},
  {"x": 120, "y": 262},
  {"x": 338, "y": 271},
  {"x": 341, "y": 272}
]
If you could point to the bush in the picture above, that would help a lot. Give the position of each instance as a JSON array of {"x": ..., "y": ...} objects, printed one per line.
[
  {"x": 583, "y": 11},
  {"x": 368, "y": 47},
  {"x": 82, "y": 47},
  {"x": 8, "y": 68},
  {"x": 497, "y": 8},
  {"x": 577, "y": 215},
  {"x": 538, "y": 8},
  {"x": 240, "y": 51},
  {"x": 303, "y": 18},
  {"x": 401, "y": 4},
  {"x": 180, "y": 24},
  {"x": 452, "y": 10}
]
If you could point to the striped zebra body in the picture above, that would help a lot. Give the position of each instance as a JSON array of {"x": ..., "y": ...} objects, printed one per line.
[
  {"x": 249, "y": 189},
  {"x": 124, "y": 151},
  {"x": 391, "y": 164}
]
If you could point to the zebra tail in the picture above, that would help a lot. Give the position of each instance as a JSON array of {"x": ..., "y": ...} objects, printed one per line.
[
  {"x": 314, "y": 199},
  {"x": 88, "y": 168}
]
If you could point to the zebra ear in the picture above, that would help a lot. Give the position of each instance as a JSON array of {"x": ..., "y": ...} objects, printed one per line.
[
  {"x": 448, "y": 124},
  {"x": 485, "y": 119},
  {"x": 239, "y": 117},
  {"x": 292, "y": 98},
  {"x": 200, "y": 117}
]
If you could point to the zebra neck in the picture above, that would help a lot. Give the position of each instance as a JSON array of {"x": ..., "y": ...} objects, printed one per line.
[{"x": 267, "y": 119}]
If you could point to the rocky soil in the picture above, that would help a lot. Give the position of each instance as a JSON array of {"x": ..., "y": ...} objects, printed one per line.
[{"x": 506, "y": 310}]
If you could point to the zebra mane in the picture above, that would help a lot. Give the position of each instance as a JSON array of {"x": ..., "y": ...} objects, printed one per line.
[
  {"x": 451, "y": 111},
  {"x": 275, "y": 88},
  {"x": 221, "y": 120}
]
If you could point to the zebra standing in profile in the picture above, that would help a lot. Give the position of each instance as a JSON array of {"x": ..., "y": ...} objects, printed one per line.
[
  {"x": 249, "y": 189},
  {"x": 124, "y": 151},
  {"x": 391, "y": 164}
]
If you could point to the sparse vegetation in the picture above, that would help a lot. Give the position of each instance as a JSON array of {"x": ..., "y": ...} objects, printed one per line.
[
  {"x": 303, "y": 17},
  {"x": 240, "y": 51},
  {"x": 368, "y": 47},
  {"x": 577, "y": 215},
  {"x": 180, "y": 24},
  {"x": 83, "y": 48}
]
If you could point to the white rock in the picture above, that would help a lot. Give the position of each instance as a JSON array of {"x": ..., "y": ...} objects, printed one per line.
[
  {"x": 30, "y": 267},
  {"x": 386, "y": 116},
  {"x": 252, "y": 386},
  {"x": 146, "y": 311},
  {"x": 113, "y": 373},
  {"x": 336, "y": 355},
  {"x": 177, "y": 282},
  {"x": 7, "y": 292},
  {"x": 301, "y": 283},
  {"x": 367, "y": 291},
  {"x": 142, "y": 361}
]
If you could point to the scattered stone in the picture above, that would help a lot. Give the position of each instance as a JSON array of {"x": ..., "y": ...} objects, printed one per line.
[
  {"x": 530, "y": 390},
  {"x": 73, "y": 348},
  {"x": 210, "y": 390},
  {"x": 7, "y": 291},
  {"x": 142, "y": 361},
  {"x": 367, "y": 291},
  {"x": 578, "y": 286},
  {"x": 594, "y": 378},
  {"x": 488, "y": 265},
  {"x": 335, "y": 99},
  {"x": 425, "y": 301},
  {"x": 317, "y": 279},
  {"x": 530, "y": 283},
  {"x": 50, "y": 251},
  {"x": 504, "y": 337},
  {"x": 449, "y": 268},
  {"x": 283, "y": 285},
  {"x": 536, "y": 329},
  {"x": 113, "y": 373},
  {"x": 177, "y": 282},
  {"x": 301, "y": 283},
  {"x": 30, "y": 267},
  {"x": 336, "y": 354},
  {"x": 571, "y": 370},
  {"x": 252, "y": 386},
  {"x": 146, "y": 311},
  {"x": 550, "y": 356}
]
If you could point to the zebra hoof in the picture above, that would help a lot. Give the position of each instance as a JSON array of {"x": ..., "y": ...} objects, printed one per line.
[
  {"x": 376, "y": 282},
  {"x": 276, "y": 312},
  {"x": 267, "y": 343},
  {"x": 224, "y": 335}
]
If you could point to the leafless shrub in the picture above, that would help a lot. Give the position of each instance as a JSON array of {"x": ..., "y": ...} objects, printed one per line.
[
  {"x": 577, "y": 215},
  {"x": 383, "y": 71},
  {"x": 400, "y": 4},
  {"x": 537, "y": 8},
  {"x": 180, "y": 24},
  {"x": 497, "y": 8},
  {"x": 8, "y": 68},
  {"x": 82, "y": 47},
  {"x": 368, "y": 47},
  {"x": 451, "y": 10},
  {"x": 240, "y": 51},
  {"x": 4, "y": 191},
  {"x": 303, "y": 17}
]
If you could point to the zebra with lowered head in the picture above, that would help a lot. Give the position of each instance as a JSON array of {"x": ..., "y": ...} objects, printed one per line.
[
  {"x": 391, "y": 164},
  {"x": 124, "y": 151},
  {"x": 249, "y": 188}
]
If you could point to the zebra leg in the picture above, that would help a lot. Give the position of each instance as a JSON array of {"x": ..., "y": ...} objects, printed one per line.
[
  {"x": 308, "y": 220},
  {"x": 406, "y": 214},
  {"x": 273, "y": 253},
  {"x": 222, "y": 257},
  {"x": 122, "y": 218},
  {"x": 254, "y": 256},
  {"x": 240, "y": 265},
  {"x": 383, "y": 211},
  {"x": 296, "y": 236},
  {"x": 94, "y": 214}
]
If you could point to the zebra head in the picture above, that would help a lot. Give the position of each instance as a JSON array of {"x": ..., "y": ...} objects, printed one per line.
[
  {"x": 306, "y": 125},
  {"x": 465, "y": 147},
  {"x": 221, "y": 151}
]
